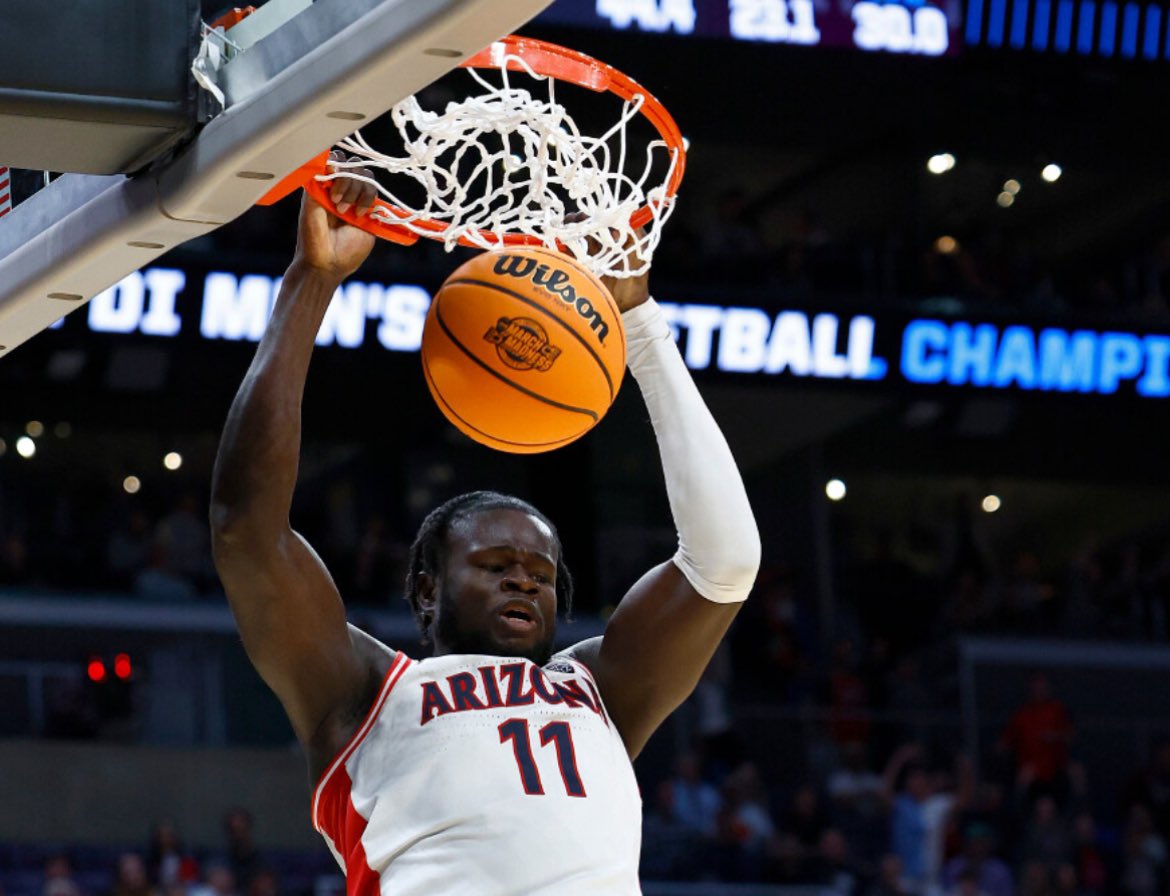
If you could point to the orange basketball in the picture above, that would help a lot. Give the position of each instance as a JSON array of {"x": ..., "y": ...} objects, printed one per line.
[{"x": 523, "y": 349}]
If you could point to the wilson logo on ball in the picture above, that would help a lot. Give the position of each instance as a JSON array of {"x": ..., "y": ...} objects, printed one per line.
[
  {"x": 522, "y": 344},
  {"x": 557, "y": 282}
]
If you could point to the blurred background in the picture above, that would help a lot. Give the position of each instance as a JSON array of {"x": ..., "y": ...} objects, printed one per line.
[{"x": 920, "y": 268}]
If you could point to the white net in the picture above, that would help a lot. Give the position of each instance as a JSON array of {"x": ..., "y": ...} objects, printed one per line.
[{"x": 507, "y": 162}]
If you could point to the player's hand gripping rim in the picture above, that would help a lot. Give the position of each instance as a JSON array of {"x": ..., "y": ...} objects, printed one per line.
[{"x": 326, "y": 243}]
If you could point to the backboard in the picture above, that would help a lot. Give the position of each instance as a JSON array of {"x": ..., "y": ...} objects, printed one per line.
[{"x": 309, "y": 79}]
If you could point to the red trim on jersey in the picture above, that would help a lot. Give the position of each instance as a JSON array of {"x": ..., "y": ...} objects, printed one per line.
[
  {"x": 346, "y": 839},
  {"x": 331, "y": 795}
]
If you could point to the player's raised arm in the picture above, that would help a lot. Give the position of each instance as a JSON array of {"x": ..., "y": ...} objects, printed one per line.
[
  {"x": 665, "y": 630},
  {"x": 285, "y": 603}
]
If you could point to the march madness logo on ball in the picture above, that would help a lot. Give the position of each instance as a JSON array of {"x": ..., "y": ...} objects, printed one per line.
[{"x": 522, "y": 344}]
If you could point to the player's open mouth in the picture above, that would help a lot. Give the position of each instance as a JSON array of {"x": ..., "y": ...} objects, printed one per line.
[{"x": 517, "y": 618}]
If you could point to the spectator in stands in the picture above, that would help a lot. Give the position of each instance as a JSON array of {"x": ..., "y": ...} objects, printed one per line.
[
  {"x": 978, "y": 865},
  {"x": 130, "y": 877},
  {"x": 722, "y": 745},
  {"x": 773, "y": 638},
  {"x": 184, "y": 542},
  {"x": 744, "y": 826},
  {"x": 786, "y": 861},
  {"x": 1151, "y": 788},
  {"x": 1126, "y": 597},
  {"x": 835, "y": 869},
  {"x": 130, "y": 549},
  {"x": 922, "y": 809},
  {"x": 166, "y": 860},
  {"x": 695, "y": 803},
  {"x": 1088, "y": 861},
  {"x": 58, "y": 877},
  {"x": 858, "y": 802},
  {"x": 848, "y": 697},
  {"x": 806, "y": 819},
  {"x": 1144, "y": 870},
  {"x": 14, "y": 563},
  {"x": 670, "y": 849},
  {"x": 243, "y": 856},
  {"x": 1036, "y": 879},
  {"x": 1038, "y": 737},
  {"x": 1082, "y": 611},
  {"x": 264, "y": 883},
  {"x": 1047, "y": 842},
  {"x": 890, "y": 880},
  {"x": 965, "y": 885},
  {"x": 910, "y": 699},
  {"x": 1024, "y": 595},
  {"x": 218, "y": 880}
]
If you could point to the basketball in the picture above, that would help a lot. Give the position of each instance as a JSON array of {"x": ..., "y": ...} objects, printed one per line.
[{"x": 523, "y": 349}]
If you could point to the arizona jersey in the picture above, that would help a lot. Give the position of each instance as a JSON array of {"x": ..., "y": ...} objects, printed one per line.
[{"x": 485, "y": 775}]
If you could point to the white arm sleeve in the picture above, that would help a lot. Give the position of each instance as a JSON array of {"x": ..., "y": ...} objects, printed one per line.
[{"x": 718, "y": 543}]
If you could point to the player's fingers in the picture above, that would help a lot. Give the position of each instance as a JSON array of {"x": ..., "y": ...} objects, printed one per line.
[
  {"x": 337, "y": 185},
  {"x": 591, "y": 245},
  {"x": 367, "y": 192},
  {"x": 350, "y": 194}
]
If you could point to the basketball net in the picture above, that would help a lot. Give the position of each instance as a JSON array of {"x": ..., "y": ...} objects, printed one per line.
[{"x": 540, "y": 176}]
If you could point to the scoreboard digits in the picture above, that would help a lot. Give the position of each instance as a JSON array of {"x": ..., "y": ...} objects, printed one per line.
[{"x": 887, "y": 26}]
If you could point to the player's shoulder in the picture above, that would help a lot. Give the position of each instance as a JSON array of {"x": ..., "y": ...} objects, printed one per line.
[
  {"x": 583, "y": 652},
  {"x": 343, "y": 722},
  {"x": 371, "y": 652}
]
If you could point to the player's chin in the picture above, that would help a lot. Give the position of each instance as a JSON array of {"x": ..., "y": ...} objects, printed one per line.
[{"x": 538, "y": 650}]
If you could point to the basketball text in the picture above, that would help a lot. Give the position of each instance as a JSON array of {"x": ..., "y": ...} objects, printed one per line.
[
  {"x": 522, "y": 344},
  {"x": 555, "y": 281}
]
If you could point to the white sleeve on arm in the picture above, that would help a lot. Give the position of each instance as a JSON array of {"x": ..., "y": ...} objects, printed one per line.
[{"x": 718, "y": 543}]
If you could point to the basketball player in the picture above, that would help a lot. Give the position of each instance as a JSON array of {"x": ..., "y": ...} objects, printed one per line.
[{"x": 491, "y": 766}]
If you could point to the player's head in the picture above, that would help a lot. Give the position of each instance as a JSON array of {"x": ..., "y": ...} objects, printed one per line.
[{"x": 487, "y": 575}]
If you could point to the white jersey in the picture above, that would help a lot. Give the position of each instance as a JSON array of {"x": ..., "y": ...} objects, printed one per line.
[{"x": 483, "y": 775}]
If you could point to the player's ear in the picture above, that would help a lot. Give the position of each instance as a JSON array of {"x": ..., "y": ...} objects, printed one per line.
[{"x": 427, "y": 591}]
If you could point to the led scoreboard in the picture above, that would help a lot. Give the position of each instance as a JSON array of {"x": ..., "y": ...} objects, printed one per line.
[{"x": 923, "y": 27}]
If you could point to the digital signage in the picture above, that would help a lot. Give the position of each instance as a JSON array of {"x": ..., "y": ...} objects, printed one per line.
[
  {"x": 923, "y": 27},
  {"x": 733, "y": 340}
]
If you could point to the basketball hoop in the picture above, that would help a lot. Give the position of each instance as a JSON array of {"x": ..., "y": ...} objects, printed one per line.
[{"x": 506, "y": 168}]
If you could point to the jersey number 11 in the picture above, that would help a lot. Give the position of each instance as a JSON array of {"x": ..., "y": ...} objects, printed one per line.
[{"x": 561, "y": 736}]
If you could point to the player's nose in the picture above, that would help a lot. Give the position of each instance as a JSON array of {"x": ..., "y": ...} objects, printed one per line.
[{"x": 517, "y": 579}]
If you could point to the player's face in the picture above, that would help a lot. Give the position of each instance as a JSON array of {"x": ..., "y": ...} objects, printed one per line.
[{"x": 497, "y": 594}]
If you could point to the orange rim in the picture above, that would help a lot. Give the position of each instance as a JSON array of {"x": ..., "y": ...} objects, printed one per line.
[{"x": 544, "y": 59}]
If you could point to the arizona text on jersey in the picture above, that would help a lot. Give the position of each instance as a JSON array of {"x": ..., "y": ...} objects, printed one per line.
[{"x": 486, "y": 775}]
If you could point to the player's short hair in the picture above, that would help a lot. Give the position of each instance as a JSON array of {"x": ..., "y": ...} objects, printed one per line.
[{"x": 428, "y": 553}]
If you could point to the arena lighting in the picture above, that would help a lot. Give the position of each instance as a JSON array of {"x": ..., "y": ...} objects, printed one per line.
[
  {"x": 941, "y": 163},
  {"x": 1011, "y": 186},
  {"x": 26, "y": 447},
  {"x": 1051, "y": 173},
  {"x": 62, "y": 430},
  {"x": 173, "y": 460},
  {"x": 1005, "y": 199},
  {"x": 131, "y": 485},
  {"x": 991, "y": 504},
  {"x": 946, "y": 245},
  {"x": 835, "y": 489},
  {"x": 95, "y": 669},
  {"x": 35, "y": 428},
  {"x": 122, "y": 666}
]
